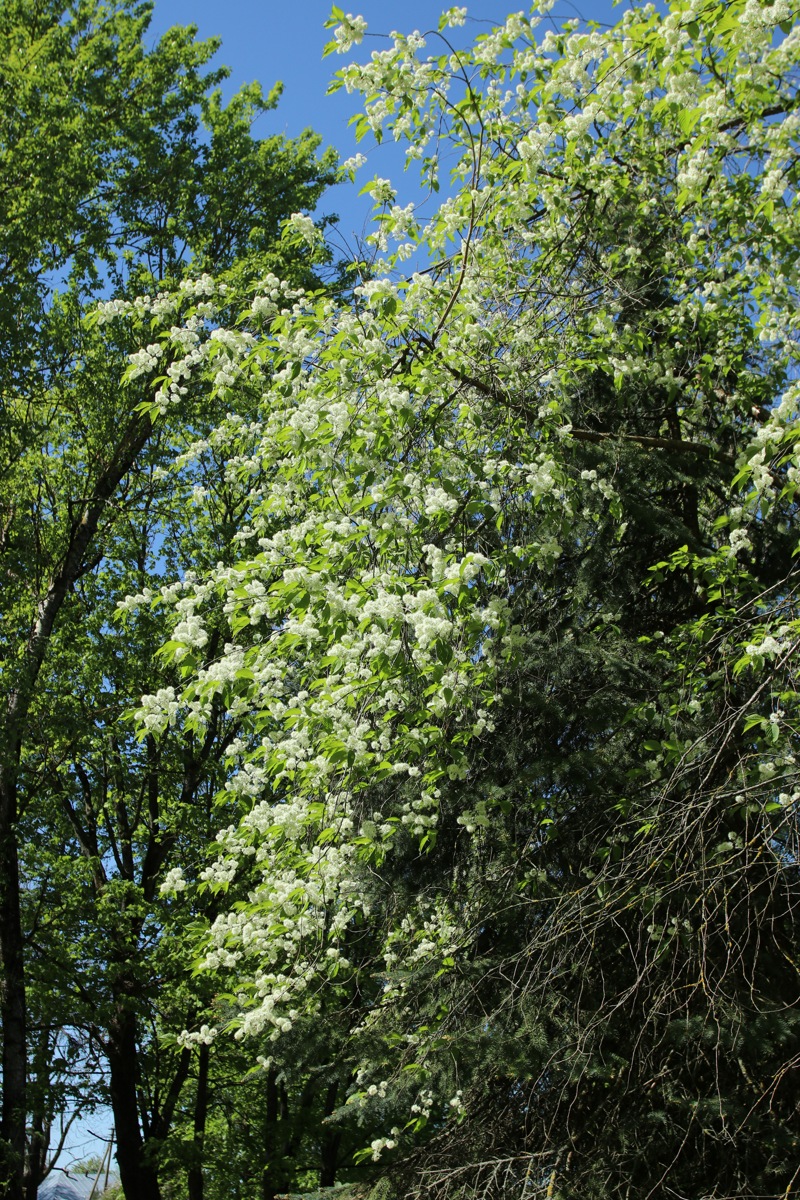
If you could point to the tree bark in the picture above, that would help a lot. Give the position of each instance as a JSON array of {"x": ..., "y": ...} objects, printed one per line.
[
  {"x": 137, "y": 1176},
  {"x": 195, "y": 1178},
  {"x": 12, "y": 1002},
  {"x": 269, "y": 1179},
  {"x": 38, "y": 1145},
  {"x": 329, "y": 1151},
  {"x": 137, "y": 1151}
]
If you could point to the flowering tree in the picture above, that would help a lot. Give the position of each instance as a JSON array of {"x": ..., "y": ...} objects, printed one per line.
[
  {"x": 121, "y": 166},
  {"x": 512, "y": 633}
]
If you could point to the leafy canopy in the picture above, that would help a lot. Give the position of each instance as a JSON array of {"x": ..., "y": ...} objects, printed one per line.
[{"x": 459, "y": 483}]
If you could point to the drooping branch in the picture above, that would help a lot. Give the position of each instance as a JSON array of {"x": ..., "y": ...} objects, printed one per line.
[{"x": 672, "y": 445}]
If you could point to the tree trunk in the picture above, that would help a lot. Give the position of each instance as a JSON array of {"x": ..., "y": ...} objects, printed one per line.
[
  {"x": 195, "y": 1178},
  {"x": 38, "y": 1144},
  {"x": 12, "y": 999},
  {"x": 329, "y": 1151},
  {"x": 137, "y": 1175},
  {"x": 270, "y": 1178}
]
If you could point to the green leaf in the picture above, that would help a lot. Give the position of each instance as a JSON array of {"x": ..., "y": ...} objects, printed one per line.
[{"x": 687, "y": 119}]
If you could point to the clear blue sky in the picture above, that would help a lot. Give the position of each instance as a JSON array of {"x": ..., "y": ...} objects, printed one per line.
[{"x": 270, "y": 40}]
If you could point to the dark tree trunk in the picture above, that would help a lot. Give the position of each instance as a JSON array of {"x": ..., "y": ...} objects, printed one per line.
[
  {"x": 195, "y": 1178},
  {"x": 38, "y": 1143},
  {"x": 270, "y": 1176},
  {"x": 36, "y": 1163},
  {"x": 137, "y": 1175},
  {"x": 12, "y": 999},
  {"x": 329, "y": 1152}
]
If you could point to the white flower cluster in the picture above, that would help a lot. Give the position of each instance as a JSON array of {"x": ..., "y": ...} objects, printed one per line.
[
  {"x": 204, "y": 1036},
  {"x": 381, "y": 190},
  {"x": 378, "y": 1145},
  {"x": 304, "y": 227},
  {"x": 454, "y": 17},
  {"x": 355, "y": 162},
  {"x": 173, "y": 882},
  {"x": 107, "y": 310},
  {"x": 145, "y": 360},
  {"x": 739, "y": 542},
  {"x": 158, "y": 712},
  {"x": 203, "y": 285},
  {"x": 423, "y": 1104},
  {"x": 375, "y": 291},
  {"x": 350, "y": 33},
  {"x": 768, "y": 648}
]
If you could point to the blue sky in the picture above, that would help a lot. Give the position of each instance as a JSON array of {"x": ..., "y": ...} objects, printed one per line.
[{"x": 270, "y": 40}]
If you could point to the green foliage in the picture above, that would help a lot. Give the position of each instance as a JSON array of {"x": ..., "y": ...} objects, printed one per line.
[
  {"x": 514, "y": 625},
  {"x": 465, "y": 606},
  {"x": 124, "y": 173}
]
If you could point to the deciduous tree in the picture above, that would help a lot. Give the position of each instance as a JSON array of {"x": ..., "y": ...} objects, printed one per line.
[
  {"x": 513, "y": 643},
  {"x": 122, "y": 171}
]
